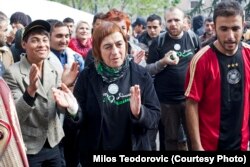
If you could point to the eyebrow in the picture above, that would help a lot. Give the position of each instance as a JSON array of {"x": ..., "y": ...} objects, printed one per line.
[
  {"x": 236, "y": 26},
  {"x": 37, "y": 38},
  {"x": 112, "y": 43}
]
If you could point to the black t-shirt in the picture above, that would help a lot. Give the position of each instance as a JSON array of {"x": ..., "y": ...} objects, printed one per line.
[
  {"x": 169, "y": 83},
  {"x": 145, "y": 39},
  {"x": 116, "y": 129},
  {"x": 232, "y": 79}
]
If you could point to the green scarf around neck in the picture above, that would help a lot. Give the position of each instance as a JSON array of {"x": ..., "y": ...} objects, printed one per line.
[{"x": 109, "y": 74}]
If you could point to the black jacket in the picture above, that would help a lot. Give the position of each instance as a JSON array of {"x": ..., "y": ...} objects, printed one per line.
[{"x": 88, "y": 92}]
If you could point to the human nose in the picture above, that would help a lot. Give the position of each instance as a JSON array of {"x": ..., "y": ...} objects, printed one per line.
[
  {"x": 152, "y": 29},
  {"x": 41, "y": 43},
  {"x": 65, "y": 38},
  {"x": 172, "y": 22},
  {"x": 230, "y": 34},
  {"x": 114, "y": 50}
]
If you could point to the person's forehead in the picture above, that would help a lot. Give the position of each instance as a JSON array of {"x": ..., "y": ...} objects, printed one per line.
[
  {"x": 229, "y": 20},
  {"x": 37, "y": 35},
  {"x": 174, "y": 14},
  {"x": 209, "y": 22},
  {"x": 114, "y": 37},
  {"x": 154, "y": 22},
  {"x": 57, "y": 30},
  {"x": 69, "y": 23}
]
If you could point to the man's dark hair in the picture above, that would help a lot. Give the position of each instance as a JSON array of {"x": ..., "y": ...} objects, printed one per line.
[
  {"x": 228, "y": 8},
  {"x": 68, "y": 20},
  {"x": 198, "y": 22},
  {"x": 208, "y": 19},
  {"x": 97, "y": 16},
  {"x": 52, "y": 21},
  {"x": 19, "y": 17},
  {"x": 29, "y": 18},
  {"x": 154, "y": 17},
  {"x": 57, "y": 24}
]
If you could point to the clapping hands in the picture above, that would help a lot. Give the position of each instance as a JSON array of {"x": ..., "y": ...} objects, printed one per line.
[
  {"x": 65, "y": 98},
  {"x": 69, "y": 75}
]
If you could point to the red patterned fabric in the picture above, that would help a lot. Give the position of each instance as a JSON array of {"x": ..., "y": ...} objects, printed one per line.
[
  {"x": 78, "y": 47},
  {"x": 14, "y": 154}
]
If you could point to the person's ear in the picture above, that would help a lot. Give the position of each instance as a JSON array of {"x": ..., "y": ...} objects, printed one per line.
[
  {"x": 244, "y": 24},
  {"x": 24, "y": 45}
]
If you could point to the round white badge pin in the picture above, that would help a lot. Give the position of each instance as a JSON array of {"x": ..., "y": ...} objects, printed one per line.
[{"x": 113, "y": 89}]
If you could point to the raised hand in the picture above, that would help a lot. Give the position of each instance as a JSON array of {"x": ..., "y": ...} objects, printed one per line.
[
  {"x": 34, "y": 76},
  {"x": 139, "y": 56},
  {"x": 170, "y": 58},
  {"x": 135, "y": 100},
  {"x": 69, "y": 75},
  {"x": 65, "y": 98}
]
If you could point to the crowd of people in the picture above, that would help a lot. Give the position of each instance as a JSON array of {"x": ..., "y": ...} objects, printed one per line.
[{"x": 74, "y": 88}]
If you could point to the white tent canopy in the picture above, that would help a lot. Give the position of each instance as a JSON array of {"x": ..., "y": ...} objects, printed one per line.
[{"x": 43, "y": 9}]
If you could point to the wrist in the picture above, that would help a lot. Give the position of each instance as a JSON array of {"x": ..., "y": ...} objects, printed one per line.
[
  {"x": 31, "y": 92},
  {"x": 68, "y": 84},
  {"x": 73, "y": 109},
  {"x": 163, "y": 62}
]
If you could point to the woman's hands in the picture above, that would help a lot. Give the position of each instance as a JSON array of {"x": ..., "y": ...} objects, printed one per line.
[
  {"x": 65, "y": 98},
  {"x": 135, "y": 100}
]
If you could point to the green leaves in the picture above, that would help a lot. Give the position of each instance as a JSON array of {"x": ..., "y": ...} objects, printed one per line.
[{"x": 132, "y": 7}]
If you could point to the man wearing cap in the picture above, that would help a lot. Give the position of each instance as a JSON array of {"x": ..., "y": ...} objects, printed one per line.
[
  {"x": 139, "y": 26},
  {"x": 31, "y": 81}
]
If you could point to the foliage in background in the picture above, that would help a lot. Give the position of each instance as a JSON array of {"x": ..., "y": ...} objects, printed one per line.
[
  {"x": 142, "y": 7},
  {"x": 199, "y": 9},
  {"x": 132, "y": 7}
]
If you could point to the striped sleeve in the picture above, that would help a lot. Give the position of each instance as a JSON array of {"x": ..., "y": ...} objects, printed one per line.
[{"x": 195, "y": 75}]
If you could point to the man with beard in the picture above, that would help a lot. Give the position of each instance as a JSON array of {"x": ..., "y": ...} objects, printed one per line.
[
  {"x": 169, "y": 83},
  {"x": 209, "y": 31},
  {"x": 217, "y": 86}
]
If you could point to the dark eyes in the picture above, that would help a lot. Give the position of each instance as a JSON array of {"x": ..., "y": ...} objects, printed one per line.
[
  {"x": 118, "y": 45},
  {"x": 233, "y": 28},
  {"x": 82, "y": 28},
  {"x": 61, "y": 36},
  {"x": 173, "y": 20},
  {"x": 154, "y": 27},
  {"x": 236, "y": 28},
  {"x": 37, "y": 40},
  {"x": 123, "y": 27}
]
